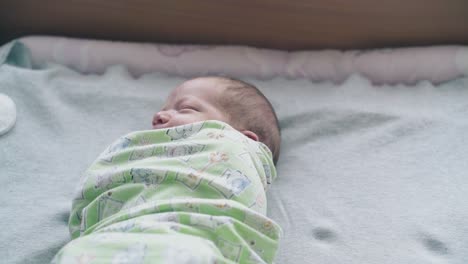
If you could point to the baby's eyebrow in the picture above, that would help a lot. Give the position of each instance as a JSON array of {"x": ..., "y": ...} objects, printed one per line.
[
  {"x": 177, "y": 104},
  {"x": 181, "y": 101}
]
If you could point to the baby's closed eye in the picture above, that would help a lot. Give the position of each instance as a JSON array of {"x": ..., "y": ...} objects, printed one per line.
[{"x": 188, "y": 107}]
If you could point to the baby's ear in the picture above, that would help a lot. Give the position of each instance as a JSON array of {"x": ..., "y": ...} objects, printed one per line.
[{"x": 250, "y": 134}]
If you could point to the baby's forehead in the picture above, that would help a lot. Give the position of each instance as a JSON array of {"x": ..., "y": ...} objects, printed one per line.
[
  {"x": 211, "y": 88},
  {"x": 202, "y": 86}
]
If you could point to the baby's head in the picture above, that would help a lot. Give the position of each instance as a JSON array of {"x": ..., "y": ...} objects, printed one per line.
[{"x": 232, "y": 101}]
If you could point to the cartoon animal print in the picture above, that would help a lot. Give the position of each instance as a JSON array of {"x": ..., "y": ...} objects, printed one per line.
[
  {"x": 215, "y": 135},
  {"x": 215, "y": 157},
  {"x": 265, "y": 226},
  {"x": 238, "y": 182},
  {"x": 184, "y": 131},
  {"x": 119, "y": 144},
  {"x": 147, "y": 176},
  {"x": 223, "y": 205},
  {"x": 134, "y": 254},
  {"x": 186, "y": 206},
  {"x": 108, "y": 178},
  {"x": 183, "y": 151},
  {"x": 193, "y": 178},
  {"x": 141, "y": 153},
  {"x": 232, "y": 182}
]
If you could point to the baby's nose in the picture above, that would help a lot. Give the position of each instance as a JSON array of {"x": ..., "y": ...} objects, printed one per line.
[{"x": 160, "y": 119}]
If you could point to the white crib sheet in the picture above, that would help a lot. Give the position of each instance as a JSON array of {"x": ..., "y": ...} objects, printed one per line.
[{"x": 367, "y": 174}]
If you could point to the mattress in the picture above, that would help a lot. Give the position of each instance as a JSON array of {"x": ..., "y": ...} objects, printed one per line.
[{"x": 373, "y": 160}]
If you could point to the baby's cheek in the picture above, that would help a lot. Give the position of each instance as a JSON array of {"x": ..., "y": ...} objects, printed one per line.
[{"x": 187, "y": 119}]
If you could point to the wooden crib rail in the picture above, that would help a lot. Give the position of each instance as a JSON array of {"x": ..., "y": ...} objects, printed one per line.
[{"x": 280, "y": 24}]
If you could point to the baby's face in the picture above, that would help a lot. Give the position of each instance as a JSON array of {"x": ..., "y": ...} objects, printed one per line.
[{"x": 193, "y": 101}]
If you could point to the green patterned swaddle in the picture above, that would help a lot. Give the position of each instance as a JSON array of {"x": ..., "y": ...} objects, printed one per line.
[{"x": 187, "y": 194}]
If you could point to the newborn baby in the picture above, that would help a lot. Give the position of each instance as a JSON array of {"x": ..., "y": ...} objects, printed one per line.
[{"x": 190, "y": 191}]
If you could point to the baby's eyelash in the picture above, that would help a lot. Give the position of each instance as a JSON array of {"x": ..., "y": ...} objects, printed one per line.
[{"x": 188, "y": 107}]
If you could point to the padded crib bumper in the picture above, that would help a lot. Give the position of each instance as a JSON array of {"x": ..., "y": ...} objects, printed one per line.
[{"x": 436, "y": 64}]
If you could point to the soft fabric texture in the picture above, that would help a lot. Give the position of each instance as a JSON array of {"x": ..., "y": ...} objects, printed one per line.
[
  {"x": 366, "y": 174},
  {"x": 202, "y": 182},
  {"x": 7, "y": 114},
  {"x": 383, "y": 66}
]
